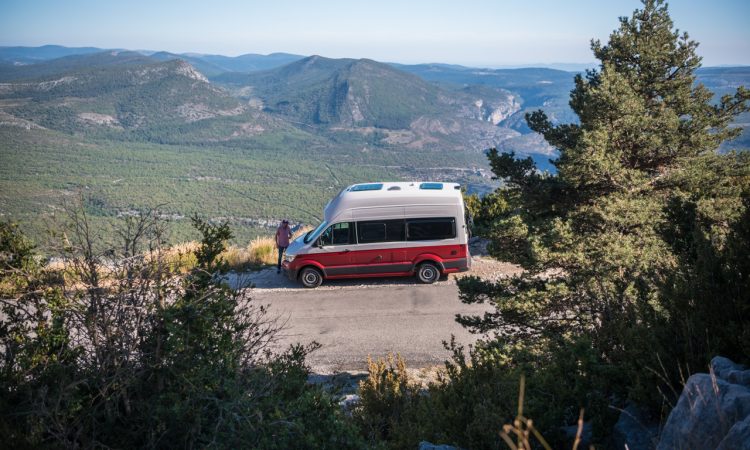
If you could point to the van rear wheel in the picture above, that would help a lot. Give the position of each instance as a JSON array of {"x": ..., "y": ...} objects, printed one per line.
[
  {"x": 310, "y": 277},
  {"x": 428, "y": 273}
]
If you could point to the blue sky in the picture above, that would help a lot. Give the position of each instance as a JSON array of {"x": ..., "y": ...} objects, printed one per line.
[{"x": 469, "y": 32}]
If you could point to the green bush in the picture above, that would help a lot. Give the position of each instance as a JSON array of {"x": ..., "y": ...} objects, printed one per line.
[
  {"x": 129, "y": 355},
  {"x": 385, "y": 395},
  {"x": 478, "y": 393}
]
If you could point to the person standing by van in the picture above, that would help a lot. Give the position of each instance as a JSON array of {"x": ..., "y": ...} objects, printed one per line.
[{"x": 283, "y": 235}]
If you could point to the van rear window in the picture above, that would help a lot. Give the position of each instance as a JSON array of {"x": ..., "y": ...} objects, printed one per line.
[{"x": 430, "y": 229}]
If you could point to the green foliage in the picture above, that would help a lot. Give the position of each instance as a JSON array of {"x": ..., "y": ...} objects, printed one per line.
[
  {"x": 385, "y": 396},
  {"x": 132, "y": 356},
  {"x": 631, "y": 249},
  {"x": 16, "y": 251},
  {"x": 477, "y": 394}
]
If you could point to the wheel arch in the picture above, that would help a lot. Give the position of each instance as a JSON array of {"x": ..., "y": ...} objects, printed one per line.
[
  {"x": 313, "y": 264},
  {"x": 428, "y": 257}
]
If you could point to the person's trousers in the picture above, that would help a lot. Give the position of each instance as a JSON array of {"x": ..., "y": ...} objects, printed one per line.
[{"x": 281, "y": 255}]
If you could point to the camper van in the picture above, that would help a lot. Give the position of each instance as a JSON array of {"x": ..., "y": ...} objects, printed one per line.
[{"x": 384, "y": 230}]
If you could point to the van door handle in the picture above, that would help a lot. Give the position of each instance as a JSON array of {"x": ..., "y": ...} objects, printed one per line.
[
  {"x": 346, "y": 250},
  {"x": 378, "y": 258}
]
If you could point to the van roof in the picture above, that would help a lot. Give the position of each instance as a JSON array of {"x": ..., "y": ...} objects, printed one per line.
[
  {"x": 403, "y": 188},
  {"x": 366, "y": 195}
]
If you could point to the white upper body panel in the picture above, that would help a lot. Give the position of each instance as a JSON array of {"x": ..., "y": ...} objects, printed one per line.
[
  {"x": 391, "y": 201},
  {"x": 396, "y": 200}
]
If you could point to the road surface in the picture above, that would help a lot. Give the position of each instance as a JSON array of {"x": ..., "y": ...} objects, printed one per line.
[{"x": 354, "y": 319}]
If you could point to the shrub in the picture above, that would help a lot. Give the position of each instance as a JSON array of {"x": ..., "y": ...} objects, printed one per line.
[
  {"x": 478, "y": 394},
  {"x": 135, "y": 356},
  {"x": 385, "y": 395}
]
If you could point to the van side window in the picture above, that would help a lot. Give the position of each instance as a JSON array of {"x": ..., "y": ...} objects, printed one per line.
[
  {"x": 429, "y": 229},
  {"x": 381, "y": 231},
  {"x": 338, "y": 234}
]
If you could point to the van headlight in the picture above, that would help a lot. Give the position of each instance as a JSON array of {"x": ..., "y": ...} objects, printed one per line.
[{"x": 289, "y": 258}]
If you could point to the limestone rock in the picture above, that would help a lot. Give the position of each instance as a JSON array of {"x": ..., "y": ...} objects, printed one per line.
[
  {"x": 738, "y": 437},
  {"x": 635, "y": 431},
  {"x": 712, "y": 411}
]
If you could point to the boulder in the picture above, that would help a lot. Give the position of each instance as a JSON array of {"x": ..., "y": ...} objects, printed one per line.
[
  {"x": 727, "y": 370},
  {"x": 712, "y": 411},
  {"x": 738, "y": 437},
  {"x": 635, "y": 431}
]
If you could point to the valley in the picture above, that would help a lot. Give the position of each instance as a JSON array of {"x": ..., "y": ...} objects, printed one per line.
[{"x": 255, "y": 138}]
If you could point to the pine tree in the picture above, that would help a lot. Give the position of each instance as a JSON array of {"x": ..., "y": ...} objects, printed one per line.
[{"x": 613, "y": 243}]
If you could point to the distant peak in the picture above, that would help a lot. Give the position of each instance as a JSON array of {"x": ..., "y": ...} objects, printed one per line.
[{"x": 184, "y": 68}]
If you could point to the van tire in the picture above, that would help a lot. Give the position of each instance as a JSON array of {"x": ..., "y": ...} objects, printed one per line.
[
  {"x": 428, "y": 273},
  {"x": 310, "y": 277}
]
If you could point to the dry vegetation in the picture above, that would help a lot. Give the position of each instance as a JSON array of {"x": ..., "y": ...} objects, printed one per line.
[{"x": 181, "y": 258}]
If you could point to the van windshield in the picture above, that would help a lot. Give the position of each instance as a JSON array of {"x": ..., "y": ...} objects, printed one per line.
[{"x": 314, "y": 233}]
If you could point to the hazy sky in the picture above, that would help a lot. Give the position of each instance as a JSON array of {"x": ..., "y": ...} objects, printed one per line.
[{"x": 470, "y": 32}]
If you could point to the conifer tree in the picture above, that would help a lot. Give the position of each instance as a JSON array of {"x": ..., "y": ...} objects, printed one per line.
[{"x": 617, "y": 244}]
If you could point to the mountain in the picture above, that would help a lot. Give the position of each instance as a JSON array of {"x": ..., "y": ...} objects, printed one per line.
[
  {"x": 72, "y": 63},
  {"x": 209, "y": 65},
  {"x": 206, "y": 68},
  {"x": 534, "y": 88},
  {"x": 438, "y": 106},
  {"x": 132, "y": 98},
  {"x": 214, "y": 135},
  {"x": 339, "y": 96},
  {"x": 213, "y": 65},
  {"x": 344, "y": 92},
  {"x": 250, "y": 62},
  {"x": 32, "y": 55}
]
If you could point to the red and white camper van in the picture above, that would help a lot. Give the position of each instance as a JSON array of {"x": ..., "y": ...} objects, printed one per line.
[{"x": 384, "y": 229}]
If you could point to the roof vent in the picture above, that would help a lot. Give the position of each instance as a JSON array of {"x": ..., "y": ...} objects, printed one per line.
[
  {"x": 394, "y": 188},
  {"x": 367, "y": 187},
  {"x": 433, "y": 186}
]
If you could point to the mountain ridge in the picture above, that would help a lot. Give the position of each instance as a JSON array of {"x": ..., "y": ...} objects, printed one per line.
[{"x": 440, "y": 106}]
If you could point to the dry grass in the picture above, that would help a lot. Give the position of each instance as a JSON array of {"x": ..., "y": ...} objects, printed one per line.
[
  {"x": 262, "y": 250},
  {"x": 180, "y": 258}
]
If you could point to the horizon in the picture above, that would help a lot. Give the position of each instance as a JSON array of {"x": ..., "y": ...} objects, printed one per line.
[{"x": 483, "y": 33}]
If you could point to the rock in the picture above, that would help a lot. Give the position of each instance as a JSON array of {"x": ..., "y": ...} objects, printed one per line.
[
  {"x": 634, "y": 431},
  {"x": 712, "y": 411},
  {"x": 727, "y": 370},
  {"x": 738, "y": 437},
  {"x": 478, "y": 246},
  {"x": 424, "y": 445}
]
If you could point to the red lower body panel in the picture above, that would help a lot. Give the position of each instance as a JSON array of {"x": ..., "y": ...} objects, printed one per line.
[{"x": 389, "y": 262}]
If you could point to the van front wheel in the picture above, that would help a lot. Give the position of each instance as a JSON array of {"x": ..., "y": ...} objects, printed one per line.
[
  {"x": 428, "y": 273},
  {"x": 310, "y": 277}
]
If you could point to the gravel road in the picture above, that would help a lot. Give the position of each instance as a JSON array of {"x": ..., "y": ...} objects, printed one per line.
[{"x": 356, "y": 318}]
